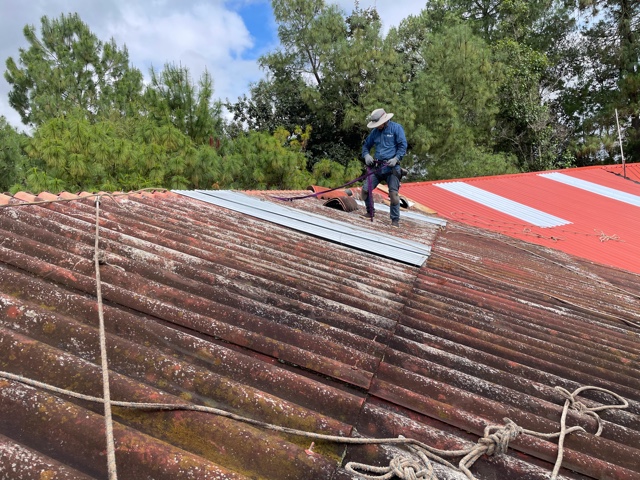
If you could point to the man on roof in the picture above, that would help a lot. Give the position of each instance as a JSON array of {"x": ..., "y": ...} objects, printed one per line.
[{"x": 389, "y": 144}]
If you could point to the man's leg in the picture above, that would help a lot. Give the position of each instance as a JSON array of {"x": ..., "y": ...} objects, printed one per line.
[{"x": 393, "y": 182}]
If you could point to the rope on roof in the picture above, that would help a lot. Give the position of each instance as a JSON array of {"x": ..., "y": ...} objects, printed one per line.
[
  {"x": 108, "y": 420},
  {"x": 495, "y": 440}
]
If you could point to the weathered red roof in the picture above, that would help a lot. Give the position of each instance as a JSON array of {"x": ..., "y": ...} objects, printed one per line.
[
  {"x": 212, "y": 307},
  {"x": 601, "y": 229}
]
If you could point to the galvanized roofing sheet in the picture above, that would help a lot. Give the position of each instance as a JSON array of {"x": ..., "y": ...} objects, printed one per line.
[
  {"x": 402, "y": 250},
  {"x": 592, "y": 187},
  {"x": 502, "y": 204},
  {"x": 408, "y": 214},
  {"x": 212, "y": 307},
  {"x": 602, "y": 229}
]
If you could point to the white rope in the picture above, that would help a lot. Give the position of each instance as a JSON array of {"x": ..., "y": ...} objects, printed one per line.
[
  {"x": 111, "y": 449},
  {"x": 400, "y": 466},
  {"x": 573, "y": 404},
  {"x": 605, "y": 238},
  {"x": 495, "y": 440}
]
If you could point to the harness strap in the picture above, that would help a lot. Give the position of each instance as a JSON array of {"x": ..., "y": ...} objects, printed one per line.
[
  {"x": 370, "y": 208},
  {"x": 367, "y": 175}
]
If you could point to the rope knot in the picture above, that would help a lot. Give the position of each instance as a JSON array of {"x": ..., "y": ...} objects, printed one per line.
[
  {"x": 497, "y": 442},
  {"x": 573, "y": 403},
  {"x": 407, "y": 468},
  {"x": 400, "y": 466},
  {"x": 606, "y": 238}
]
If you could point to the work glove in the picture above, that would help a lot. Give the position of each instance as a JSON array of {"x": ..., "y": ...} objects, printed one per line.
[
  {"x": 393, "y": 162},
  {"x": 368, "y": 159}
]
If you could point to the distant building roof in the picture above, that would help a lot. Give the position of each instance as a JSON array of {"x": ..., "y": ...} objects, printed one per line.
[
  {"x": 629, "y": 170},
  {"x": 589, "y": 212},
  {"x": 208, "y": 306}
]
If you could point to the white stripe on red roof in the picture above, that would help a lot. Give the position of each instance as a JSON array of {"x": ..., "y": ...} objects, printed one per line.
[
  {"x": 593, "y": 188},
  {"x": 515, "y": 209}
]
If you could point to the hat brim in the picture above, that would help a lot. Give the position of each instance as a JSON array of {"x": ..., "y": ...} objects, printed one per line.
[{"x": 384, "y": 119}]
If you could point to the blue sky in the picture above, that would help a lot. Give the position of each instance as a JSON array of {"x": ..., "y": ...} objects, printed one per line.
[
  {"x": 225, "y": 37},
  {"x": 258, "y": 18}
]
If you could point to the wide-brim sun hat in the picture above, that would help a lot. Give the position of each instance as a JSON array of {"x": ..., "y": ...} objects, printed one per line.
[{"x": 378, "y": 117}]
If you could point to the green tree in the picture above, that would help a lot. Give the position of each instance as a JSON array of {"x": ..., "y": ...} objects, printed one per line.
[
  {"x": 12, "y": 159},
  {"x": 261, "y": 161},
  {"x": 604, "y": 75},
  {"x": 273, "y": 102},
  {"x": 327, "y": 74},
  {"x": 172, "y": 96},
  {"x": 309, "y": 33},
  {"x": 524, "y": 123},
  {"x": 455, "y": 103},
  {"x": 67, "y": 68},
  {"x": 527, "y": 40},
  {"x": 532, "y": 22},
  {"x": 75, "y": 154},
  {"x": 328, "y": 173}
]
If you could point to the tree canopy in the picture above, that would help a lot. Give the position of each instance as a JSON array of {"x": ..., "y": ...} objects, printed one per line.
[
  {"x": 68, "y": 68},
  {"x": 12, "y": 159}
]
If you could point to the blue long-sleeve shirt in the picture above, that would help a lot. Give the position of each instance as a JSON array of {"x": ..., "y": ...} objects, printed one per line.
[{"x": 389, "y": 142}]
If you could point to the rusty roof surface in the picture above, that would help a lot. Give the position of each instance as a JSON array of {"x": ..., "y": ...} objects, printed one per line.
[
  {"x": 210, "y": 307},
  {"x": 593, "y": 222}
]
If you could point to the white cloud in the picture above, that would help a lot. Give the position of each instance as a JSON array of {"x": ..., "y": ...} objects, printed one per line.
[
  {"x": 198, "y": 34},
  {"x": 11, "y": 115},
  {"x": 201, "y": 37},
  {"x": 214, "y": 34}
]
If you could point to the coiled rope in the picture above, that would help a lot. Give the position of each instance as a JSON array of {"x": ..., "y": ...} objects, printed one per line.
[{"x": 495, "y": 441}]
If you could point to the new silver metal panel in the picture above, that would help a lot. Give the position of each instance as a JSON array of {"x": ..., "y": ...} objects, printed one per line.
[
  {"x": 593, "y": 188},
  {"x": 388, "y": 246},
  {"x": 515, "y": 209},
  {"x": 412, "y": 215}
]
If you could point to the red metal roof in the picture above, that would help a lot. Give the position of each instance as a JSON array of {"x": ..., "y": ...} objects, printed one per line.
[
  {"x": 629, "y": 170},
  {"x": 602, "y": 229},
  {"x": 211, "y": 307}
]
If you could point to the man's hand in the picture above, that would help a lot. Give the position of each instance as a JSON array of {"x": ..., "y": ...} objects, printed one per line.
[
  {"x": 393, "y": 162},
  {"x": 368, "y": 159}
]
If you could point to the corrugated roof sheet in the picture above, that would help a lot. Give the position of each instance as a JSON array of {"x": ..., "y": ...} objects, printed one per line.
[
  {"x": 629, "y": 170},
  {"x": 594, "y": 188},
  {"x": 602, "y": 229},
  {"x": 213, "y": 307},
  {"x": 408, "y": 214},
  {"x": 502, "y": 204},
  {"x": 402, "y": 250}
]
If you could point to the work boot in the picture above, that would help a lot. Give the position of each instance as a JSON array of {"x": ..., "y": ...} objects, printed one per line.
[
  {"x": 365, "y": 214},
  {"x": 395, "y": 223}
]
